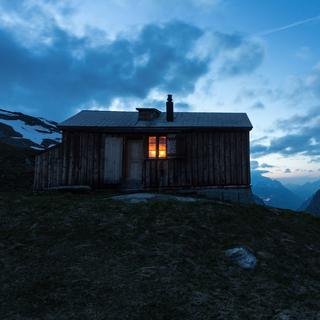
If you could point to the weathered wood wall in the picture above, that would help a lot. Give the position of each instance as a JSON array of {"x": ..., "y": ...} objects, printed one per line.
[
  {"x": 78, "y": 160},
  {"x": 48, "y": 169},
  {"x": 211, "y": 159},
  {"x": 83, "y": 155},
  {"x": 219, "y": 158}
]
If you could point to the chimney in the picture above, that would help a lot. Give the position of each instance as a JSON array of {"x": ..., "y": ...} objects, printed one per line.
[{"x": 169, "y": 108}]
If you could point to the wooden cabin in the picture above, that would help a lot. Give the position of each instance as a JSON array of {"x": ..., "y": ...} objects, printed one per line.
[{"x": 148, "y": 149}]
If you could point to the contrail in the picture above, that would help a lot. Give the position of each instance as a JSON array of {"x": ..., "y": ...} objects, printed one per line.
[{"x": 289, "y": 26}]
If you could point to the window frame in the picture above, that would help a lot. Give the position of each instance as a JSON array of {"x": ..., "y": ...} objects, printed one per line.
[
  {"x": 157, "y": 136},
  {"x": 179, "y": 148},
  {"x": 148, "y": 145}
]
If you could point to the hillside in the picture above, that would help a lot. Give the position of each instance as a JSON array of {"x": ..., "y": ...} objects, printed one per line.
[
  {"x": 306, "y": 190},
  {"x": 312, "y": 205},
  {"x": 24, "y": 131},
  {"x": 67, "y": 256},
  {"x": 16, "y": 168},
  {"x": 21, "y": 137}
]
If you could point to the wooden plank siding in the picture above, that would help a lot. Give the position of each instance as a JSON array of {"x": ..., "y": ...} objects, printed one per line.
[
  {"x": 76, "y": 161},
  {"x": 48, "y": 169},
  {"x": 210, "y": 158}
]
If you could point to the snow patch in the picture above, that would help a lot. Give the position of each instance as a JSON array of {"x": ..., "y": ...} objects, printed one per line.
[
  {"x": 51, "y": 145},
  {"x": 36, "y": 148},
  {"x": 242, "y": 256},
  {"x": 47, "y": 122},
  {"x": 32, "y": 132}
]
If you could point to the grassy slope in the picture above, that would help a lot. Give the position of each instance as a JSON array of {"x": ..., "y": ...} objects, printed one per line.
[
  {"x": 16, "y": 168},
  {"x": 67, "y": 256}
]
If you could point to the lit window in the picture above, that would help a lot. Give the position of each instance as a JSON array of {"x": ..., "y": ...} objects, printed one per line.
[
  {"x": 162, "y": 147},
  {"x": 157, "y": 147},
  {"x": 152, "y": 147}
]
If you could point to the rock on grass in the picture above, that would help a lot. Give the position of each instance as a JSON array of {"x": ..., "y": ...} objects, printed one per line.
[{"x": 243, "y": 257}]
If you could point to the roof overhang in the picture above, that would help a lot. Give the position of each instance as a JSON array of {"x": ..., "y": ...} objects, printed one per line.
[{"x": 150, "y": 129}]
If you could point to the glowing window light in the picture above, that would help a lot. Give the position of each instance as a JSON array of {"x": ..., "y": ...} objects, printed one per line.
[
  {"x": 152, "y": 147},
  {"x": 162, "y": 147}
]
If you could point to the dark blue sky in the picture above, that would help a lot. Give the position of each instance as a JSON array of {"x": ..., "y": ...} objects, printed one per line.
[{"x": 261, "y": 57}]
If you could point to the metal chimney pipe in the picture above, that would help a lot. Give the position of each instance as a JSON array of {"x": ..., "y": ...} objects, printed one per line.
[{"x": 169, "y": 108}]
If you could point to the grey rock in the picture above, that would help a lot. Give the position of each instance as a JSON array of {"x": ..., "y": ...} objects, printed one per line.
[{"x": 242, "y": 256}]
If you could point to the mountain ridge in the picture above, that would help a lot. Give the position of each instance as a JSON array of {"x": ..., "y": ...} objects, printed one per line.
[
  {"x": 312, "y": 205},
  {"x": 21, "y": 138},
  {"x": 306, "y": 190},
  {"x": 273, "y": 192},
  {"x": 25, "y": 131}
]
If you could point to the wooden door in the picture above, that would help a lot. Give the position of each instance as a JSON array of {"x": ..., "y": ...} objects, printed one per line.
[
  {"x": 113, "y": 160},
  {"x": 134, "y": 162}
]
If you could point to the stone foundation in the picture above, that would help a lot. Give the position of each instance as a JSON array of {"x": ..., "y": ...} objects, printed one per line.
[{"x": 238, "y": 195}]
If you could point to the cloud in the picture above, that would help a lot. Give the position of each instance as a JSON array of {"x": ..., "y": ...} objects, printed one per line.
[
  {"x": 70, "y": 72},
  {"x": 259, "y": 150},
  {"x": 254, "y": 164},
  {"x": 32, "y": 21},
  {"x": 112, "y": 16},
  {"x": 243, "y": 56},
  {"x": 259, "y": 140},
  {"x": 234, "y": 54},
  {"x": 54, "y": 71},
  {"x": 301, "y": 136},
  {"x": 287, "y": 170},
  {"x": 161, "y": 104},
  {"x": 312, "y": 81},
  {"x": 297, "y": 121},
  {"x": 258, "y": 105},
  {"x": 266, "y": 165},
  {"x": 261, "y": 172},
  {"x": 298, "y": 89}
]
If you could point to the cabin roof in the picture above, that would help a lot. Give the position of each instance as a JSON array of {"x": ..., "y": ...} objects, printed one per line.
[{"x": 127, "y": 119}]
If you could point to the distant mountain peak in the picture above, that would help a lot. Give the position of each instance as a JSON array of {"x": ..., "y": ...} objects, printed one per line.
[
  {"x": 273, "y": 193},
  {"x": 305, "y": 190}
]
